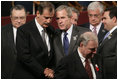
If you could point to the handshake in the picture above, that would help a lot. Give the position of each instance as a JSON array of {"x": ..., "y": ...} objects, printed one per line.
[{"x": 49, "y": 73}]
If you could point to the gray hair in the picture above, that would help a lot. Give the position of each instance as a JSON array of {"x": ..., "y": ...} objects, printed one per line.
[
  {"x": 67, "y": 8},
  {"x": 96, "y": 5},
  {"x": 86, "y": 37},
  {"x": 75, "y": 10}
]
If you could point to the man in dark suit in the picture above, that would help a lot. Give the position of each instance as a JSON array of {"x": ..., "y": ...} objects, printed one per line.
[
  {"x": 8, "y": 40},
  {"x": 34, "y": 45},
  {"x": 95, "y": 12},
  {"x": 75, "y": 66},
  {"x": 64, "y": 20},
  {"x": 108, "y": 47}
]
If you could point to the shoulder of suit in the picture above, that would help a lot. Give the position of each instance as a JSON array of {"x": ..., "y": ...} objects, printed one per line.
[
  {"x": 28, "y": 25},
  {"x": 85, "y": 25},
  {"x": 80, "y": 28},
  {"x": 8, "y": 26}
]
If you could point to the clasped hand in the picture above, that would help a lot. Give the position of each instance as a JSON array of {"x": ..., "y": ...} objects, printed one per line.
[{"x": 49, "y": 73}]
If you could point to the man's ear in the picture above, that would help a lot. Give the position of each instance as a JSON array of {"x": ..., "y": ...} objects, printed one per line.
[
  {"x": 37, "y": 14},
  {"x": 81, "y": 44},
  {"x": 114, "y": 19}
]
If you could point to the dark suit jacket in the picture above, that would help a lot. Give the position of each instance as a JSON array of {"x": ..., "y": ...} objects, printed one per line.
[
  {"x": 58, "y": 46},
  {"x": 71, "y": 67},
  {"x": 8, "y": 52},
  {"x": 108, "y": 51},
  {"x": 32, "y": 55},
  {"x": 101, "y": 33}
]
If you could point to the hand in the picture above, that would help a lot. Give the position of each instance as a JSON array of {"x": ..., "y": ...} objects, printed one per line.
[{"x": 49, "y": 73}]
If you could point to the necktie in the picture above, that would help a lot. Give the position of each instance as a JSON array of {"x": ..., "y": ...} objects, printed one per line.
[
  {"x": 43, "y": 36},
  {"x": 66, "y": 43},
  {"x": 88, "y": 69},
  {"x": 106, "y": 35},
  {"x": 94, "y": 30}
]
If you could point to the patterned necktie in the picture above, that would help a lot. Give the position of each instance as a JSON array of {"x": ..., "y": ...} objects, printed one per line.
[
  {"x": 94, "y": 30},
  {"x": 107, "y": 34},
  {"x": 88, "y": 69},
  {"x": 43, "y": 36},
  {"x": 66, "y": 43}
]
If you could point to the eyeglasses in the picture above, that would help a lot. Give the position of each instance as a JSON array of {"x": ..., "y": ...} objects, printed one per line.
[
  {"x": 17, "y": 18},
  {"x": 95, "y": 15}
]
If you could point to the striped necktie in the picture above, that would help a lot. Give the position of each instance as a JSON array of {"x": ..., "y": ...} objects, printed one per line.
[{"x": 88, "y": 69}]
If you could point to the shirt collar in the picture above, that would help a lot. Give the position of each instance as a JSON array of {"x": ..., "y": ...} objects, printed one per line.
[
  {"x": 112, "y": 29},
  {"x": 70, "y": 29},
  {"x": 40, "y": 28},
  {"x": 81, "y": 57},
  {"x": 97, "y": 27}
]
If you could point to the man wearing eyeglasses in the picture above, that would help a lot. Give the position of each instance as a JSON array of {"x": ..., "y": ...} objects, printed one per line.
[
  {"x": 95, "y": 11},
  {"x": 8, "y": 40}
]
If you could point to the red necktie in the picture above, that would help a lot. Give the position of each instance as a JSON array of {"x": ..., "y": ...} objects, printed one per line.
[{"x": 88, "y": 69}]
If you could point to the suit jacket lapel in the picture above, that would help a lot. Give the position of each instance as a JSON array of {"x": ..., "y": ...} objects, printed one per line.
[
  {"x": 59, "y": 44},
  {"x": 101, "y": 33},
  {"x": 74, "y": 38},
  {"x": 37, "y": 36},
  {"x": 109, "y": 37},
  {"x": 98, "y": 73},
  {"x": 11, "y": 37},
  {"x": 79, "y": 65}
]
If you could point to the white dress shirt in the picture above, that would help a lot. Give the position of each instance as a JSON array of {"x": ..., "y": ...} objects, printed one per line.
[
  {"x": 40, "y": 28},
  {"x": 15, "y": 33},
  {"x": 97, "y": 27},
  {"x": 69, "y": 31},
  {"x": 83, "y": 62},
  {"x": 112, "y": 29}
]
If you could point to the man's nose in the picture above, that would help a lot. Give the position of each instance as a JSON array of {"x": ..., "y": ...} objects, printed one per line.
[
  {"x": 94, "y": 51},
  {"x": 49, "y": 20}
]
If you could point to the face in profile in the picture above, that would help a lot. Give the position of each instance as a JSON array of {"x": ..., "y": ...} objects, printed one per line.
[
  {"x": 94, "y": 17},
  {"x": 45, "y": 18},
  {"x": 63, "y": 21},
  {"x": 107, "y": 21},
  {"x": 18, "y": 18}
]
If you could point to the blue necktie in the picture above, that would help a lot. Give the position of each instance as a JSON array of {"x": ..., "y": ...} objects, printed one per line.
[
  {"x": 66, "y": 43},
  {"x": 107, "y": 34}
]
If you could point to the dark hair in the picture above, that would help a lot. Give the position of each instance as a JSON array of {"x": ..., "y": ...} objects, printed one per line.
[
  {"x": 112, "y": 11},
  {"x": 17, "y": 7},
  {"x": 45, "y": 5}
]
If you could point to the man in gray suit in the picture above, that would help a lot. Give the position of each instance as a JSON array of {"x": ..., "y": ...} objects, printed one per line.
[
  {"x": 66, "y": 38},
  {"x": 8, "y": 40}
]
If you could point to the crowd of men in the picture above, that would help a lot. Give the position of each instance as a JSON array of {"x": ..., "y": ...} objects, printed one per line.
[{"x": 35, "y": 50}]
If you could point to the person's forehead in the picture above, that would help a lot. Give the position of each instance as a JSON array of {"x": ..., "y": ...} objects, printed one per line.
[
  {"x": 94, "y": 11},
  {"x": 47, "y": 12},
  {"x": 18, "y": 11},
  {"x": 61, "y": 13}
]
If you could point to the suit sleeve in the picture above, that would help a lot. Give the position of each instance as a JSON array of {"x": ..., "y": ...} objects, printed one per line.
[{"x": 61, "y": 70}]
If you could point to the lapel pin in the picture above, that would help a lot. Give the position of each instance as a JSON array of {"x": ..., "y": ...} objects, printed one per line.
[
  {"x": 96, "y": 66},
  {"x": 75, "y": 37},
  {"x": 103, "y": 30}
]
